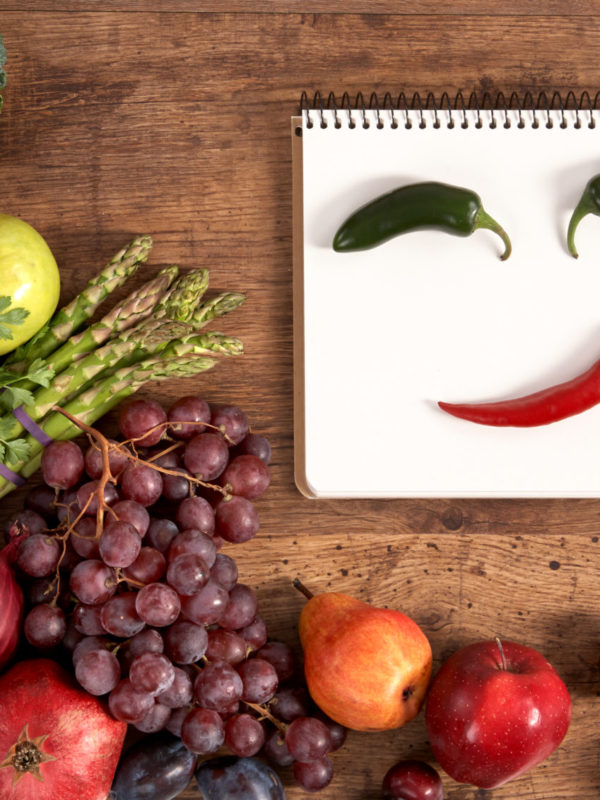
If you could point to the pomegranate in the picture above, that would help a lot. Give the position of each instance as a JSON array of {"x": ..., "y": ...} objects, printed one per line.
[{"x": 56, "y": 741}]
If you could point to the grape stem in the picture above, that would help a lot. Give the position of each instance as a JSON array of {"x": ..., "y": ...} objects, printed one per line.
[{"x": 264, "y": 713}]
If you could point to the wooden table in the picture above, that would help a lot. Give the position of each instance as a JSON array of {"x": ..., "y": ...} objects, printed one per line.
[{"x": 171, "y": 117}]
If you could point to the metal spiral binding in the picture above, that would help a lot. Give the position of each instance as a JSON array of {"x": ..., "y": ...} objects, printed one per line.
[{"x": 543, "y": 110}]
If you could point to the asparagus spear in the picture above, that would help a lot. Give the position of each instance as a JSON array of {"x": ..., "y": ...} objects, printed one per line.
[
  {"x": 216, "y": 307},
  {"x": 93, "y": 403},
  {"x": 124, "y": 315},
  {"x": 184, "y": 296},
  {"x": 71, "y": 380},
  {"x": 72, "y": 316}
]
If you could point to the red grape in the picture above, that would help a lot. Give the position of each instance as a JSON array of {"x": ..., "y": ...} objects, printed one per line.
[
  {"x": 155, "y": 720},
  {"x": 137, "y": 419},
  {"x": 152, "y": 673},
  {"x": 217, "y": 686},
  {"x": 281, "y": 656},
  {"x": 120, "y": 544},
  {"x": 255, "y": 634},
  {"x": 92, "y": 582},
  {"x": 161, "y": 533},
  {"x": 246, "y": 475},
  {"x": 225, "y": 646},
  {"x": 62, "y": 464},
  {"x": 232, "y": 421},
  {"x": 141, "y": 483},
  {"x": 149, "y": 566},
  {"x": 185, "y": 642},
  {"x": 291, "y": 703},
  {"x": 180, "y": 693},
  {"x": 146, "y": 641},
  {"x": 237, "y": 519},
  {"x": 276, "y": 750},
  {"x": 241, "y": 608},
  {"x": 84, "y": 539},
  {"x": 119, "y": 616},
  {"x": 259, "y": 680},
  {"x": 87, "y": 620},
  {"x": 206, "y": 455},
  {"x": 176, "y": 487},
  {"x": 255, "y": 445},
  {"x": 127, "y": 704},
  {"x": 45, "y": 626},
  {"x": 308, "y": 739},
  {"x": 98, "y": 671},
  {"x": 192, "y": 410},
  {"x": 244, "y": 735},
  {"x": 117, "y": 460},
  {"x": 202, "y": 731},
  {"x": 193, "y": 541},
  {"x": 197, "y": 513},
  {"x": 206, "y": 606},
  {"x": 133, "y": 513},
  {"x": 187, "y": 573},
  {"x": 157, "y": 604},
  {"x": 88, "y": 495},
  {"x": 224, "y": 571},
  {"x": 38, "y": 555},
  {"x": 315, "y": 775}
]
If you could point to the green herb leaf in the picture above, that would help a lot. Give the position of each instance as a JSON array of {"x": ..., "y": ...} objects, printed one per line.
[
  {"x": 17, "y": 450},
  {"x": 15, "y": 316},
  {"x": 13, "y": 397},
  {"x": 39, "y": 372},
  {"x": 5, "y": 429}
]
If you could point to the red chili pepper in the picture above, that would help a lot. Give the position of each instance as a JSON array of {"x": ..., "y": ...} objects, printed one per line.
[{"x": 540, "y": 408}]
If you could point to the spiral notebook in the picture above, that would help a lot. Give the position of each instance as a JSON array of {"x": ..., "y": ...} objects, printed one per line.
[{"x": 381, "y": 335}]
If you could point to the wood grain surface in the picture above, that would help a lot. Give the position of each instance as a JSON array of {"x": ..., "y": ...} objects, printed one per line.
[{"x": 172, "y": 118}]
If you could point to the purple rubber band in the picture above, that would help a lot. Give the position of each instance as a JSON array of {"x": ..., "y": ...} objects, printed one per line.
[
  {"x": 11, "y": 476},
  {"x": 32, "y": 426}
]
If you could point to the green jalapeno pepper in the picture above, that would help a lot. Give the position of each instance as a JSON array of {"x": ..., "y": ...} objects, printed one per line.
[
  {"x": 417, "y": 206},
  {"x": 589, "y": 203}
]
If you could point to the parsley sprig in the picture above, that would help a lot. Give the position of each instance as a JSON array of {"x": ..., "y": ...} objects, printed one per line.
[
  {"x": 12, "y": 396},
  {"x": 12, "y": 316}
]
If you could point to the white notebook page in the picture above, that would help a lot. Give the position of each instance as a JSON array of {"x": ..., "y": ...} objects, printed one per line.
[{"x": 428, "y": 316}]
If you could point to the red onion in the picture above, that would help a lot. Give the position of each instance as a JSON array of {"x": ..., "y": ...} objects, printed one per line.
[{"x": 11, "y": 621}]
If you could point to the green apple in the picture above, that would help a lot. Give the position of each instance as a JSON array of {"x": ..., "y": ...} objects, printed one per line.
[{"x": 29, "y": 282}]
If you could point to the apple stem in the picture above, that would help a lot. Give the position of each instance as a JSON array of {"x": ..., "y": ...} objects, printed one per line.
[
  {"x": 502, "y": 656},
  {"x": 302, "y": 588}
]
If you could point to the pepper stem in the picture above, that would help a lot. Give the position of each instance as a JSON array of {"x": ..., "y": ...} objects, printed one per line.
[
  {"x": 584, "y": 207},
  {"x": 483, "y": 220}
]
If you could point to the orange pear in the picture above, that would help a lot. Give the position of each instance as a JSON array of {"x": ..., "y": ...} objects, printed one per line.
[{"x": 367, "y": 668}]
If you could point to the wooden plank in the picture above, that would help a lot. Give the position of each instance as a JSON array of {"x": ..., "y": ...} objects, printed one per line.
[{"x": 462, "y": 8}]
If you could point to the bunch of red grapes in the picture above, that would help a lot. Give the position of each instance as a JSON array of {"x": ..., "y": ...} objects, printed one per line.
[{"x": 160, "y": 624}]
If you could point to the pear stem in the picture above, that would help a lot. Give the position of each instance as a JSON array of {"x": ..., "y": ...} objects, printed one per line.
[
  {"x": 502, "y": 656},
  {"x": 302, "y": 588}
]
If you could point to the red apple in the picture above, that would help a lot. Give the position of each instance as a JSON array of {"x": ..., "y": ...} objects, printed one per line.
[{"x": 495, "y": 710}]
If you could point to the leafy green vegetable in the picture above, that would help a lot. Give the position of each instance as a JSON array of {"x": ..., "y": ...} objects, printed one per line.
[
  {"x": 2, "y": 63},
  {"x": 15, "y": 316},
  {"x": 12, "y": 397}
]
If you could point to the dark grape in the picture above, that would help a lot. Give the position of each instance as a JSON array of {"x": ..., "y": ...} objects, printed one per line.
[
  {"x": 202, "y": 731},
  {"x": 127, "y": 704},
  {"x": 206, "y": 606},
  {"x": 84, "y": 539},
  {"x": 87, "y": 620},
  {"x": 161, "y": 533},
  {"x": 141, "y": 483},
  {"x": 206, "y": 455},
  {"x": 149, "y": 566},
  {"x": 217, "y": 686},
  {"x": 155, "y": 720},
  {"x": 232, "y": 421},
  {"x": 138, "y": 420},
  {"x": 133, "y": 513},
  {"x": 157, "y": 604},
  {"x": 224, "y": 571},
  {"x": 255, "y": 445},
  {"x": 175, "y": 721},
  {"x": 92, "y": 582},
  {"x": 98, "y": 671},
  {"x": 157, "y": 768},
  {"x": 62, "y": 464},
  {"x": 88, "y": 496},
  {"x": 276, "y": 750},
  {"x": 255, "y": 634},
  {"x": 259, "y": 680},
  {"x": 337, "y": 732},
  {"x": 180, "y": 693},
  {"x": 241, "y": 608},
  {"x": 291, "y": 703},
  {"x": 237, "y": 519},
  {"x": 225, "y": 646},
  {"x": 38, "y": 555},
  {"x": 87, "y": 644},
  {"x": 117, "y": 460},
  {"x": 120, "y": 544},
  {"x": 29, "y": 520},
  {"x": 232, "y": 778},
  {"x": 185, "y": 642},
  {"x": 192, "y": 410},
  {"x": 412, "y": 780},
  {"x": 281, "y": 656},
  {"x": 45, "y": 625},
  {"x": 247, "y": 476},
  {"x": 308, "y": 739},
  {"x": 244, "y": 735},
  {"x": 119, "y": 616},
  {"x": 193, "y": 541},
  {"x": 41, "y": 500},
  {"x": 315, "y": 775},
  {"x": 197, "y": 513},
  {"x": 187, "y": 573},
  {"x": 146, "y": 641},
  {"x": 176, "y": 487},
  {"x": 152, "y": 673}
]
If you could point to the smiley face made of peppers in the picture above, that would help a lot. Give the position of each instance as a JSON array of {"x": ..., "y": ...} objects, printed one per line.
[{"x": 458, "y": 211}]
